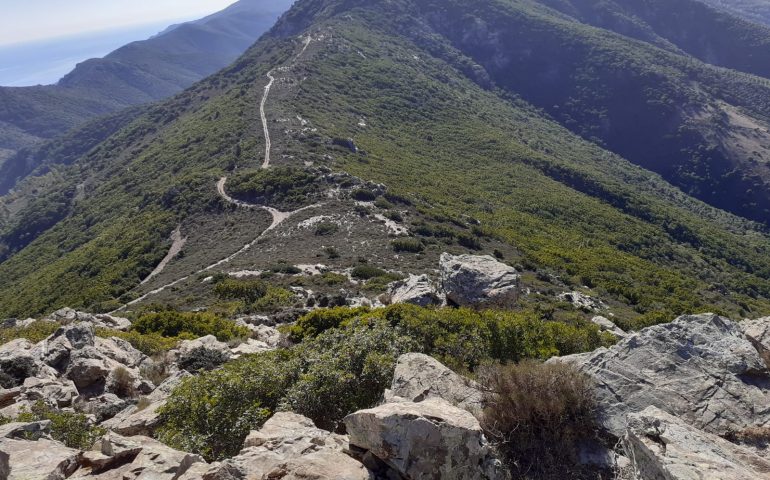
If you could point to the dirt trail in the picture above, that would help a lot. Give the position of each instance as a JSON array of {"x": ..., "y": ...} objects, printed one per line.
[
  {"x": 177, "y": 243},
  {"x": 266, "y": 130},
  {"x": 278, "y": 216}
]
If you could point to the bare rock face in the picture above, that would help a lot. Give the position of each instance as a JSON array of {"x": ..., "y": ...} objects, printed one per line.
[
  {"x": 429, "y": 439},
  {"x": 417, "y": 289},
  {"x": 289, "y": 446},
  {"x": 103, "y": 320},
  {"x": 700, "y": 368},
  {"x": 138, "y": 457},
  {"x": 470, "y": 280},
  {"x": 19, "y": 360},
  {"x": 418, "y": 377},
  {"x": 25, "y": 430},
  {"x": 134, "y": 420},
  {"x": 582, "y": 301},
  {"x": 187, "y": 347},
  {"x": 39, "y": 460},
  {"x": 662, "y": 446},
  {"x": 606, "y": 325}
]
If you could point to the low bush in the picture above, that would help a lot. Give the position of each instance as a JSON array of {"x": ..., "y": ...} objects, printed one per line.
[
  {"x": 463, "y": 338},
  {"x": 324, "y": 379},
  {"x": 34, "y": 332},
  {"x": 198, "y": 324},
  {"x": 409, "y": 245},
  {"x": 275, "y": 299},
  {"x": 363, "y": 195},
  {"x": 538, "y": 415},
  {"x": 247, "y": 290},
  {"x": 326, "y": 228},
  {"x": 365, "y": 272},
  {"x": 469, "y": 241},
  {"x": 283, "y": 187},
  {"x": 211, "y": 414},
  {"x": 342, "y": 362},
  {"x": 150, "y": 344},
  {"x": 202, "y": 359},
  {"x": 72, "y": 429}
]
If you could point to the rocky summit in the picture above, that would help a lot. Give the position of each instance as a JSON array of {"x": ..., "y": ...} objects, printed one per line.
[{"x": 391, "y": 240}]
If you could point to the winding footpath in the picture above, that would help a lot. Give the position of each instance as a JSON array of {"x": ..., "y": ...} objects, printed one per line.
[
  {"x": 266, "y": 130},
  {"x": 278, "y": 216}
]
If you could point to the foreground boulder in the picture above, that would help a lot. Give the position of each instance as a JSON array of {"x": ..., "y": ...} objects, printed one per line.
[
  {"x": 418, "y": 377},
  {"x": 289, "y": 446},
  {"x": 118, "y": 457},
  {"x": 417, "y": 290},
  {"x": 470, "y": 280},
  {"x": 39, "y": 460},
  {"x": 662, "y": 446},
  {"x": 606, "y": 325},
  {"x": 102, "y": 320},
  {"x": 144, "y": 418},
  {"x": 700, "y": 368},
  {"x": 429, "y": 439}
]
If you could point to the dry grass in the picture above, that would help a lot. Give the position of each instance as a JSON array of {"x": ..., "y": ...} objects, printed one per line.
[
  {"x": 537, "y": 414},
  {"x": 122, "y": 383}
]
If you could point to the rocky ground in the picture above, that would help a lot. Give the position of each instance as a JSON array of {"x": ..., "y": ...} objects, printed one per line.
[{"x": 683, "y": 400}]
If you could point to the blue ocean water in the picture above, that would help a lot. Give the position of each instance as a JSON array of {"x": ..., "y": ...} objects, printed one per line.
[{"x": 45, "y": 62}]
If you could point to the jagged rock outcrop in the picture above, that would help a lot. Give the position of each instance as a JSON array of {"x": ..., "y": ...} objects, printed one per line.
[
  {"x": 38, "y": 460},
  {"x": 19, "y": 360},
  {"x": 187, "y": 347},
  {"x": 471, "y": 280},
  {"x": 700, "y": 368},
  {"x": 662, "y": 446},
  {"x": 25, "y": 430},
  {"x": 582, "y": 301},
  {"x": 418, "y": 377},
  {"x": 143, "y": 419},
  {"x": 606, "y": 325},
  {"x": 417, "y": 289},
  {"x": 103, "y": 320},
  {"x": 428, "y": 439},
  {"x": 72, "y": 369},
  {"x": 289, "y": 446},
  {"x": 117, "y": 457}
]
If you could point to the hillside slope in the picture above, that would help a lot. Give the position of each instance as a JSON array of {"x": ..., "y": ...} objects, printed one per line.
[
  {"x": 365, "y": 89},
  {"x": 703, "y": 128},
  {"x": 754, "y": 10},
  {"x": 137, "y": 73}
]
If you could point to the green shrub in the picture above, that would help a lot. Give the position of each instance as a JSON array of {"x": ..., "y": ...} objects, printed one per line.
[
  {"x": 365, "y": 272},
  {"x": 464, "y": 338},
  {"x": 411, "y": 245},
  {"x": 345, "y": 371},
  {"x": 326, "y": 228},
  {"x": 211, "y": 414},
  {"x": 325, "y": 378},
  {"x": 202, "y": 358},
  {"x": 247, "y": 290},
  {"x": 198, "y": 324},
  {"x": 363, "y": 195},
  {"x": 150, "y": 344},
  {"x": 284, "y": 187},
  {"x": 34, "y": 332},
  {"x": 72, "y": 429},
  {"x": 469, "y": 241},
  {"x": 274, "y": 300},
  {"x": 286, "y": 269},
  {"x": 538, "y": 415}
]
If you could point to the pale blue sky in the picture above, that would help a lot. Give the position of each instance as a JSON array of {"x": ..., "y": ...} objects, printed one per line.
[{"x": 23, "y": 21}]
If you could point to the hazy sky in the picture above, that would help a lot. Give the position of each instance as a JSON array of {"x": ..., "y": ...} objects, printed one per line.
[{"x": 29, "y": 20}]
